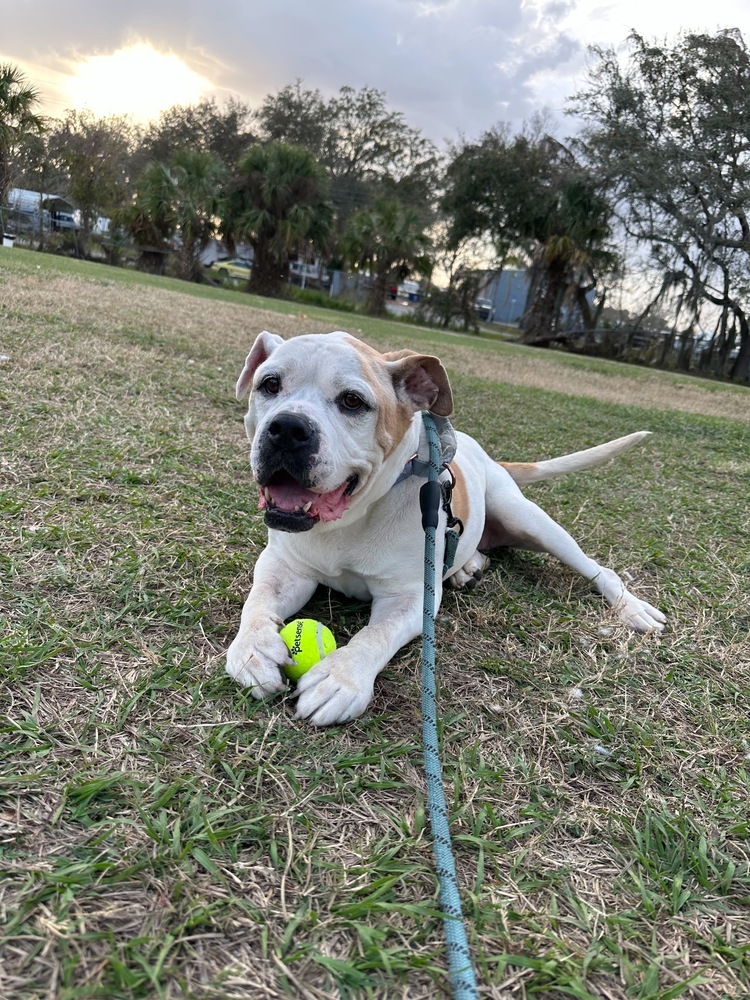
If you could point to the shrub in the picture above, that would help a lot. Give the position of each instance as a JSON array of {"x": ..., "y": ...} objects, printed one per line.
[{"x": 313, "y": 297}]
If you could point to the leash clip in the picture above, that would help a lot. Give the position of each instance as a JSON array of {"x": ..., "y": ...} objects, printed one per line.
[
  {"x": 454, "y": 527},
  {"x": 447, "y": 492}
]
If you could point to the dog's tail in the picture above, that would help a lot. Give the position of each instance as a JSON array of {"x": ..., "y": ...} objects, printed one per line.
[{"x": 525, "y": 473}]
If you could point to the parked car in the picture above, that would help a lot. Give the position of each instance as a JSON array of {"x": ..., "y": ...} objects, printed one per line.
[
  {"x": 484, "y": 310},
  {"x": 65, "y": 220},
  {"x": 234, "y": 269}
]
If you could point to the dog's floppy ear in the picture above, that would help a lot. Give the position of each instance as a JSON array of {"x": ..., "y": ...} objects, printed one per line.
[
  {"x": 423, "y": 380},
  {"x": 265, "y": 344}
]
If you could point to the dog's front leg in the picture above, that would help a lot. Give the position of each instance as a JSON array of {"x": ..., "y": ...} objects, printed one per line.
[
  {"x": 340, "y": 687},
  {"x": 258, "y": 652}
]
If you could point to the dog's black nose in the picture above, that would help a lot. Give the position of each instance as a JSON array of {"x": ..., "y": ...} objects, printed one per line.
[{"x": 292, "y": 431}]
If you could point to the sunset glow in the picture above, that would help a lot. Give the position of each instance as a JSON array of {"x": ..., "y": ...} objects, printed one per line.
[{"x": 137, "y": 80}]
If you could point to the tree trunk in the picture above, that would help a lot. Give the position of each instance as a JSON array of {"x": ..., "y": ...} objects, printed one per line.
[
  {"x": 542, "y": 319},
  {"x": 40, "y": 230},
  {"x": 666, "y": 349},
  {"x": 448, "y": 303},
  {"x": 466, "y": 304},
  {"x": 4, "y": 187},
  {"x": 190, "y": 261},
  {"x": 722, "y": 365},
  {"x": 741, "y": 367},
  {"x": 715, "y": 357},
  {"x": 589, "y": 319},
  {"x": 685, "y": 353},
  {"x": 152, "y": 261},
  {"x": 375, "y": 301},
  {"x": 269, "y": 275},
  {"x": 708, "y": 355}
]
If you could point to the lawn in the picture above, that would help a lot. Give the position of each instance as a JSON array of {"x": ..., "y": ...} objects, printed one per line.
[{"x": 164, "y": 835}]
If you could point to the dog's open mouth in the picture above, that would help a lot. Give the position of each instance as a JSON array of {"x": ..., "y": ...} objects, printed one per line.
[{"x": 289, "y": 506}]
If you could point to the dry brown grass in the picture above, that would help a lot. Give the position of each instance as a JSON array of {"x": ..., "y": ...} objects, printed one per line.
[
  {"x": 612, "y": 383},
  {"x": 185, "y": 323},
  {"x": 162, "y": 835}
]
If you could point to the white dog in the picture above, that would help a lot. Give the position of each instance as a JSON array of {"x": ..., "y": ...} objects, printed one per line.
[{"x": 336, "y": 441}]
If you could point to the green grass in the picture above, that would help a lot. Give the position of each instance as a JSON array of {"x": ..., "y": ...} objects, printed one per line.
[{"x": 163, "y": 835}]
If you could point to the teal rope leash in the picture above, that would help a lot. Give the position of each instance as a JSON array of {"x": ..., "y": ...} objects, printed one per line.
[{"x": 459, "y": 960}]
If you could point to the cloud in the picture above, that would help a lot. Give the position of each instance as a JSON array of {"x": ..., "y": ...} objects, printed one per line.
[{"x": 451, "y": 66}]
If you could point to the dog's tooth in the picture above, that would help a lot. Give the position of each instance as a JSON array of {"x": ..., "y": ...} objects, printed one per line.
[
  {"x": 267, "y": 494},
  {"x": 307, "y": 506}
]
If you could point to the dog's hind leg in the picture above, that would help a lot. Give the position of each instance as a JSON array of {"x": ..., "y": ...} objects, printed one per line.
[{"x": 512, "y": 519}]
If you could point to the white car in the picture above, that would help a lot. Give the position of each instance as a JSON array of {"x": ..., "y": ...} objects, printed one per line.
[{"x": 485, "y": 310}]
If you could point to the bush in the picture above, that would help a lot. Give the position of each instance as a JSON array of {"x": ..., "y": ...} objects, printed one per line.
[{"x": 317, "y": 298}]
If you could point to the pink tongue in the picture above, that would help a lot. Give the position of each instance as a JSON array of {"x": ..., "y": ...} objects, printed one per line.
[{"x": 325, "y": 506}]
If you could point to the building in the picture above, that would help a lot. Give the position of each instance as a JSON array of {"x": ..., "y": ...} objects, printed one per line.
[{"x": 507, "y": 290}]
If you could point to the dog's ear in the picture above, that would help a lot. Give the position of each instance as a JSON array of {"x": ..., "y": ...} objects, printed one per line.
[
  {"x": 265, "y": 344},
  {"x": 423, "y": 380}
]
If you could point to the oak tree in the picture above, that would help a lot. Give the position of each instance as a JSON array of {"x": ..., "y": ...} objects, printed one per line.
[{"x": 668, "y": 127}]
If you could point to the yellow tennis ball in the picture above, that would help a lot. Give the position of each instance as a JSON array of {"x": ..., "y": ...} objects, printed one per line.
[{"x": 308, "y": 642}]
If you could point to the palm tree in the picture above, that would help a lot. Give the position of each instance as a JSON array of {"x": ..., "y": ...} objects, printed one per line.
[
  {"x": 389, "y": 241},
  {"x": 531, "y": 194},
  {"x": 17, "y": 120},
  {"x": 198, "y": 177},
  {"x": 176, "y": 209},
  {"x": 278, "y": 201},
  {"x": 568, "y": 248},
  {"x": 151, "y": 220}
]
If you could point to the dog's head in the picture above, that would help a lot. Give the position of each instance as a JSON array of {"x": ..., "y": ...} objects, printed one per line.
[{"x": 326, "y": 415}]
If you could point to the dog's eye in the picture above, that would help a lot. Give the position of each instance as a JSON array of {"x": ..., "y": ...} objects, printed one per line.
[
  {"x": 351, "y": 401},
  {"x": 271, "y": 385}
]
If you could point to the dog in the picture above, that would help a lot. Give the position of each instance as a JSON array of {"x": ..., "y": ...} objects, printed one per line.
[{"x": 337, "y": 439}]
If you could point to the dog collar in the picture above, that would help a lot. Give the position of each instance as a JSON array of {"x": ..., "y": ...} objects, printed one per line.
[
  {"x": 414, "y": 467},
  {"x": 418, "y": 466}
]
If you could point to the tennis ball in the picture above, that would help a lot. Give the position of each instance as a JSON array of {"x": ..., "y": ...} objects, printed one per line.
[{"x": 308, "y": 642}]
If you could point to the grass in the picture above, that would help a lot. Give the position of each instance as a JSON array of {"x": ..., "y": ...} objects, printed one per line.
[{"x": 162, "y": 835}]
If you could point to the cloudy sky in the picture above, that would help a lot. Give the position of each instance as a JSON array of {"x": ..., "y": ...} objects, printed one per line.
[{"x": 451, "y": 66}]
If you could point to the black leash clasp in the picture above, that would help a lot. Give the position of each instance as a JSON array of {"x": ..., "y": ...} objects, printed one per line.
[
  {"x": 454, "y": 527},
  {"x": 447, "y": 489}
]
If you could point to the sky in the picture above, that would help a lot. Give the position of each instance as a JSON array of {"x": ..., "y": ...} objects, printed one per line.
[{"x": 453, "y": 67}]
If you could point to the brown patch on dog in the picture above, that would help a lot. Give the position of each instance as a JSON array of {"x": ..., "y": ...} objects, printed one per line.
[
  {"x": 398, "y": 355},
  {"x": 394, "y": 416},
  {"x": 522, "y": 473},
  {"x": 424, "y": 379},
  {"x": 460, "y": 499}
]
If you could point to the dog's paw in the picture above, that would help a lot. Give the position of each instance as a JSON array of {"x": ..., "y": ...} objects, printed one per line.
[
  {"x": 255, "y": 659},
  {"x": 470, "y": 573},
  {"x": 333, "y": 692},
  {"x": 639, "y": 615}
]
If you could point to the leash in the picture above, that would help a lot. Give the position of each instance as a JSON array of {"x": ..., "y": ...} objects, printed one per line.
[{"x": 463, "y": 982}]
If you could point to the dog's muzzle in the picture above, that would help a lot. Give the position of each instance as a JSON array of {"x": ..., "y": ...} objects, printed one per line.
[{"x": 284, "y": 472}]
